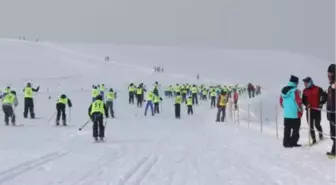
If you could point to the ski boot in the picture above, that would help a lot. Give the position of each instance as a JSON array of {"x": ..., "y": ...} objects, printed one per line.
[
  {"x": 321, "y": 136},
  {"x": 64, "y": 123},
  {"x": 331, "y": 155},
  {"x": 95, "y": 139},
  {"x": 57, "y": 123},
  {"x": 101, "y": 139},
  {"x": 6, "y": 123}
]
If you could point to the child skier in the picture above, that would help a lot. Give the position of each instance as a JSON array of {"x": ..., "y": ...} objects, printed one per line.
[
  {"x": 190, "y": 105},
  {"x": 178, "y": 101},
  {"x": 110, "y": 96},
  {"x": 96, "y": 112},
  {"x": 8, "y": 102},
  {"x": 150, "y": 97},
  {"x": 60, "y": 107}
]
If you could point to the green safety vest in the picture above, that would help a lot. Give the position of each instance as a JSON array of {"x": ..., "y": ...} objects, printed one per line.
[
  {"x": 63, "y": 101},
  {"x": 97, "y": 106},
  {"x": 139, "y": 91},
  {"x": 178, "y": 99},
  {"x": 189, "y": 101},
  {"x": 102, "y": 88},
  {"x": 150, "y": 96},
  {"x": 95, "y": 92},
  {"x": 131, "y": 88},
  {"x": 9, "y": 99},
  {"x": 213, "y": 93},
  {"x": 156, "y": 99},
  {"x": 194, "y": 90},
  {"x": 28, "y": 93},
  {"x": 110, "y": 96}
]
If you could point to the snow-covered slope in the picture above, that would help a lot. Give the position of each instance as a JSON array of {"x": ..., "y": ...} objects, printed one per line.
[{"x": 139, "y": 150}]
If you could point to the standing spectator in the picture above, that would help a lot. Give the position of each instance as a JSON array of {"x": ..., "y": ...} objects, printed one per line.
[
  {"x": 291, "y": 103},
  {"x": 235, "y": 98},
  {"x": 313, "y": 97},
  {"x": 331, "y": 106}
]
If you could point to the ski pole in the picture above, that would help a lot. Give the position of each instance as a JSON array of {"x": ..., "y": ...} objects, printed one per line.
[
  {"x": 51, "y": 117},
  {"x": 87, "y": 122},
  {"x": 69, "y": 115}
]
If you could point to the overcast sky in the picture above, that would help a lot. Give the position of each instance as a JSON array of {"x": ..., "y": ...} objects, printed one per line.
[{"x": 297, "y": 25}]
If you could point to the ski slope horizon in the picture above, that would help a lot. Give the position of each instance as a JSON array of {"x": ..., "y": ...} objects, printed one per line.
[{"x": 145, "y": 150}]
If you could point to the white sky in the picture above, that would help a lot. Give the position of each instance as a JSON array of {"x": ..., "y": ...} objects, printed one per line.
[{"x": 306, "y": 26}]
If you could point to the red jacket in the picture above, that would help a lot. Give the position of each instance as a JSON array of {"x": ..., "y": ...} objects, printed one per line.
[
  {"x": 314, "y": 96},
  {"x": 235, "y": 96}
]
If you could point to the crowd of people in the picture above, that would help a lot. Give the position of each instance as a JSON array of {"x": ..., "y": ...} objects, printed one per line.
[{"x": 311, "y": 101}]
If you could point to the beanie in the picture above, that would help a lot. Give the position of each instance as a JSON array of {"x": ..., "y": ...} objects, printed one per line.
[
  {"x": 331, "y": 68},
  {"x": 294, "y": 79}
]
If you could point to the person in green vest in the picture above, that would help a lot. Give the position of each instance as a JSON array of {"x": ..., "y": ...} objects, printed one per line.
[
  {"x": 131, "y": 91},
  {"x": 29, "y": 101},
  {"x": 190, "y": 105},
  {"x": 94, "y": 92},
  {"x": 150, "y": 99},
  {"x": 110, "y": 96},
  {"x": 102, "y": 90},
  {"x": 178, "y": 102},
  {"x": 157, "y": 100},
  {"x": 60, "y": 108},
  {"x": 8, "y": 102},
  {"x": 213, "y": 96},
  {"x": 96, "y": 112},
  {"x": 6, "y": 91},
  {"x": 194, "y": 94},
  {"x": 139, "y": 95}
]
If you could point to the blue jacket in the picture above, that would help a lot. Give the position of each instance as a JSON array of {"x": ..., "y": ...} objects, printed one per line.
[{"x": 289, "y": 103}]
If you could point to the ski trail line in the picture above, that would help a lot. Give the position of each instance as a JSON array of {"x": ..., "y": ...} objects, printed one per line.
[
  {"x": 132, "y": 171},
  {"x": 25, "y": 167},
  {"x": 146, "y": 170}
]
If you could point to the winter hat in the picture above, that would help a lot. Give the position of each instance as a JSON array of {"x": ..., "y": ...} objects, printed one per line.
[
  {"x": 331, "y": 68},
  {"x": 294, "y": 79},
  {"x": 307, "y": 79}
]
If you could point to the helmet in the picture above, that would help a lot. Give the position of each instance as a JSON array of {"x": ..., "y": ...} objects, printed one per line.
[
  {"x": 111, "y": 90},
  {"x": 63, "y": 96}
]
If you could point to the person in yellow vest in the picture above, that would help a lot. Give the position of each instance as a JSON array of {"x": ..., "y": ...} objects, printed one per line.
[
  {"x": 94, "y": 92},
  {"x": 213, "y": 95},
  {"x": 156, "y": 101},
  {"x": 29, "y": 101},
  {"x": 6, "y": 91},
  {"x": 60, "y": 108},
  {"x": 150, "y": 99},
  {"x": 102, "y": 90},
  {"x": 178, "y": 102},
  {"x": 194, "y": 94},
  {"x": 221, "y": 105},
  {"x": 190, "y": 105},
  {"x": 8, "y": 102},
  {"x": 110, "y": 96},
  {"x": 131, "y": 91},
  {"x": 139, "y": 95},
  {"x": 96, "y": 112}
]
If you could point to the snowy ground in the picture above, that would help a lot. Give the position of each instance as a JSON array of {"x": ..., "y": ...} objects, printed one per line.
[{"x": 139, "y": 150}]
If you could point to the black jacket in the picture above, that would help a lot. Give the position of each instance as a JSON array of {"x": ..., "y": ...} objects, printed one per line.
[{"x": 331, "y": 104}]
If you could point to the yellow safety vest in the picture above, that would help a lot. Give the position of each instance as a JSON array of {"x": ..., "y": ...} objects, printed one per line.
[
  {"x": 28, "y": 93},
  {"x": 63, "y": 101},
  {"x": 222, "y": 100},
  {"x": 102, "y": 88},
  {"x": 95, "y": 92},
  {"x": 156, "y": 99},
  {"x": 9, "y": 99},
  {"x": 110, "y": 96},
  {"x": 178, "y": 99},
  {"x": 189, "y": 101},
  {"x": 194, "y": 90},
  {"x": 213, "y": 93},
  {"x": 139, "y": 91},
  {"x": 131, "y": 89},
  {"x": 97, "y": 106},
  {"x": 150, "y": 96}
]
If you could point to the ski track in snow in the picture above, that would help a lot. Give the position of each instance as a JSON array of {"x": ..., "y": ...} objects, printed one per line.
[{"x": 143, "y": 150}]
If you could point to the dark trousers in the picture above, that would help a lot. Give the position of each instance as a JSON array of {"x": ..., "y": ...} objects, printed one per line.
[
  {"x": 139, "y": 100},
  {"x": 190, "y": 109},
  {"x": 315, "y": 120},
  {"x": 221, "y": 114},
  {"x": 60, "y": 107},
  {"x": 184, "y": 97},
  {"x": 156, "y": 108},
  {"x": 194, "y": 99},
  {"x": 332, "y": 134},
  {"x": 109, "y": 105},
  {"x": 98, "y": 126},
  {"x": 131, "y": 98},
  {"x": 213, "y": 101},
  {"x": 178, "y": 111},
  {"x": 28, "y": 106},
  {"x": 9, "y": 112},
  {"x": 291, "y": 131}
]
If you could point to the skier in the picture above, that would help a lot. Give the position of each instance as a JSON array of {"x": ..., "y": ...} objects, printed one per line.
[
  {"x": 291, "y": 103},
  {"x": 96, "y": 112},
  {"x": 110, "y": 96},
  {"x": 102, "y": 90},
  {"x": 29, "y": 101},
  {"x": 150, "y": 97},
  {"x": 331, "y": 107},
  {"x": 178, "y": 101},
  {"x": 157, "y": 100},
  {"x": 194, "y": 94},
  {"x": 94, "y": 92},
  {"x": 313, "y": 97},
  {"x": 6, "y": 91},
  {"x": 235, "y": 98},
  {"x": 139, "y": 95},
  {"x": 60, "y": 107},
  {"x": 190, "y": 105},
  {"x": 7, "y": 106},
  {"x": 131, "y": 90},
  {"x": 197, "y": 76},
  {"x": 213, "y": 95},
  {"x": 221, "y": 105}
]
